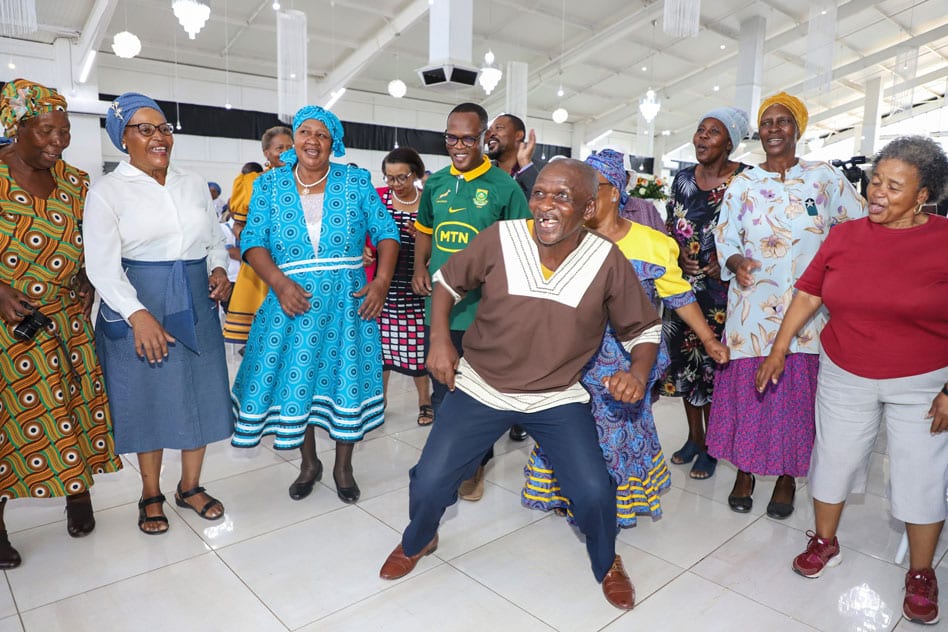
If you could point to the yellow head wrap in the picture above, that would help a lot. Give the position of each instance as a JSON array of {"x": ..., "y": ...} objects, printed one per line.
[
  {"x": 23, "y": 99},
  {"x": 795, "y": 105}
]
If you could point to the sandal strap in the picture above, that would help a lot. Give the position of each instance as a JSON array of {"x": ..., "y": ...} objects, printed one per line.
[
  {"x": 426, "y": 409},
  {"x": 160, "y": 498},
  {"x": 207, "y": 506},
  {"x": 145, "y": 519},
  {"x": 191, "y": 492}
]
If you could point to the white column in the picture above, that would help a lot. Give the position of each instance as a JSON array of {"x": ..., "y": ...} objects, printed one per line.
[
  {"x": 871, "y": 118},
  {"x": 515, "y": 99},
  {"x": 451, "y": 31},
  {"x": 750, "y": 66}
]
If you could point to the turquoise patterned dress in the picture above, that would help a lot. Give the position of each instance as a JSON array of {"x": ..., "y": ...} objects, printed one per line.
[{"x": 324, "y": 367}]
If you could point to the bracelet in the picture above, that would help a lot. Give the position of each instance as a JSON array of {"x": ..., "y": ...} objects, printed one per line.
[{"x": 944, "y": 389}]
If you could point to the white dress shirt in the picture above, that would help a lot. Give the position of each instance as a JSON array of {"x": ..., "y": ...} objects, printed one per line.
[{"x": 129, "y": 214}]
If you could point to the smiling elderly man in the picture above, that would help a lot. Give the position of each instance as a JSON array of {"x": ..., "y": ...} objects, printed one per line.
[{"x": 548, "y": 289}]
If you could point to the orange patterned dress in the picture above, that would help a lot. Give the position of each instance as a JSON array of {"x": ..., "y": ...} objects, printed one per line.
[{"x": 55, "y": 428}]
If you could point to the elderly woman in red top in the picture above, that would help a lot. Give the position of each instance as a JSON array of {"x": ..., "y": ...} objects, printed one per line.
[{"x": 881, "y": 359}]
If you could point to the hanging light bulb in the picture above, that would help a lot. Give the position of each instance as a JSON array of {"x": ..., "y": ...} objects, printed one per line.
[
  {"x": 126, "y": 45},
  {"x": 192, "y": 14},
  {"x": 560, "y": 92},
  {"x": 11, "y": 65},
  {"x": 490, "y": 75},
  {"x": 276, "y": 6},
  {"x": 560, "y": 115},
  {"x": 649, "y": 106},
  {"x": 397, "y": 88}
]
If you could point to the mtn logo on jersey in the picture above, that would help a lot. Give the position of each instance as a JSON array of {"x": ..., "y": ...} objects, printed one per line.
[
  {"x": 480, "y": 198},
  {"x": 453, "y": 236}
]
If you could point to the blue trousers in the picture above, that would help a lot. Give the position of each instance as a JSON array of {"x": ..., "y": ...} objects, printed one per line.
[{"x": 464, "y": 430}]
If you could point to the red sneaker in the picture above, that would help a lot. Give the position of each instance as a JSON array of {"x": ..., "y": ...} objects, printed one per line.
[
  {"x": 921, "y": 596},
  {"x": 820, "y": 554}
]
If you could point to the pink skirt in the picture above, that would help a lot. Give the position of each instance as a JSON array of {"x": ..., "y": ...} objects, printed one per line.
[{"x": 769, "y": 433}]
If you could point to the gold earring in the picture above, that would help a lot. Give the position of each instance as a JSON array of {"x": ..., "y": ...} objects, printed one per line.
[
  {"x": 918, "y": 208},
  {"x": 123, "y": 146}
]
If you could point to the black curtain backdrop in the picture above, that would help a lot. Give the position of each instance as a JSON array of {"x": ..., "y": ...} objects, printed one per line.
[{"x": 217, "y": 122}]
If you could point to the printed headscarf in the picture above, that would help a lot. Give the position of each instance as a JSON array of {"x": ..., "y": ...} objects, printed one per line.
[
  {"x": 735, "y": 120},
  {"x": 327, "y": 118},
  {"x": 795, "y": 105},
  {"x": 24, "y": 99},
  {"x": 611, "y": 165},
  {"x": 121, "y": 112}
]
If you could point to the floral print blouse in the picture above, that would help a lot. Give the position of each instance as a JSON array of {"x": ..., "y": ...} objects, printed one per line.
[{"x": 780, "y": 224}]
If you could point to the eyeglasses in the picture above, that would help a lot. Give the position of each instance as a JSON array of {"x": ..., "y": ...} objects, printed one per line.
[
  {"x": 398, "y": 179},
  {"x": 147, "y": 129},
  {"x": 468, "y": 141}
]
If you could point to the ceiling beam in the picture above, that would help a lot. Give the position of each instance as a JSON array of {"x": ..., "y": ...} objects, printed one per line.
[
  {"x": 360, "y": 57},
  {"x": 92, "y": 32}
]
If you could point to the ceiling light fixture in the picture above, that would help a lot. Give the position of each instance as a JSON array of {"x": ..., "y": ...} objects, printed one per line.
[
  {"x": 11, "y": 65},
  {"x": 276, "y": 6},
  {"x": 560, "y": 114},
  {"x": 650, "y": 106},
  {"x": 192, "y": 14},
  {"x": 126, "y": 45},
  {"x": 86, "y": 66},
  {"x": 595, "y": 140},
  {"x": 334, "y": 96},
  {"x": 490, "y": 74},
  {"x": 397, "y": 88}
]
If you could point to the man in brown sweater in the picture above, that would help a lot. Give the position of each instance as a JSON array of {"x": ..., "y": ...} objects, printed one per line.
[{"x": 549, "y": 287}]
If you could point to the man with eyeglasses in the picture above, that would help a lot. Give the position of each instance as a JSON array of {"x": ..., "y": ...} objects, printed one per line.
[
  {"x": 550, "y": 287},
  {"x": 458, "y": 202}
]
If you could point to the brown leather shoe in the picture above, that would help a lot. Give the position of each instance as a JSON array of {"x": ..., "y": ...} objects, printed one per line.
[
  {"x": 398, "y": 564},
  {"x": 473, "y": 488},
  {"x": 617, "y": 587}
]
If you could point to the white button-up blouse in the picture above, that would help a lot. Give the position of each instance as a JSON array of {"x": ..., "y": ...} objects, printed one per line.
[{"x": 128, "y": 214}]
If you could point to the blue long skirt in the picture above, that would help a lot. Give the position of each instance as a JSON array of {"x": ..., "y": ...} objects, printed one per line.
[{"x": 182, "y": 402}]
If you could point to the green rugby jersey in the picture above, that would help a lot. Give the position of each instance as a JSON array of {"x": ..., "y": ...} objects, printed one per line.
[{"x": 454, "y": 208}]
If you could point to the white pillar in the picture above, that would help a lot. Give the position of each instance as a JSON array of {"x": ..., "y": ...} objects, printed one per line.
[
  {"x": 871, "y": 118},
  {"x": 515, "y": 99},
  {"x": 750, "y": 66},
  {"x": 85, "y": 145},
  {"x": 451, "y": 31}
]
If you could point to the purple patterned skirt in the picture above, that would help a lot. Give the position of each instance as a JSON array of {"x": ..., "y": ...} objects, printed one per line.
[{"x": 769, "y": 433}]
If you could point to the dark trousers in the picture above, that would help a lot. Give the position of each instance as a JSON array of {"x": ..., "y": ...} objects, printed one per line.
[
  {"x": 465, "y": 428},
  {"x": 438, "y": 389}
]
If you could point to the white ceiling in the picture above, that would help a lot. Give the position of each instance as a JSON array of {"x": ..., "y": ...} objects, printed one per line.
[{"x": 597, "y": 53}]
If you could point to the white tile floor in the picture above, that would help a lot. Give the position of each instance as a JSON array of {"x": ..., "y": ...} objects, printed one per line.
[{"x": 276, "y": 564}]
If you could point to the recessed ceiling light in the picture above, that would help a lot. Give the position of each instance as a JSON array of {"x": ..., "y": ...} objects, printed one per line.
[
  {"x": 723, "y": 46},
  {"x": 716, "y": 88},
  {"x": 644, "y": 68}
]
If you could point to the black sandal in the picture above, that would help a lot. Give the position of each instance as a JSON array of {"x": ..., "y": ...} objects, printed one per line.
[
  {"x": 425, "y": 411},
  {"x": 144, "y": 518},
  {"x": 180, "y": 502}
]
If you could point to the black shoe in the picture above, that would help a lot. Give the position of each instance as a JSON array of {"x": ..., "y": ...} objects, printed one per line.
[
  {"x": 301, "y": 489},
  {"x": 743, "y": 504},
  {"x": 9, "y": 556},
  {"x": 780, "y": 511},
  {"x": 80, "y": 519},
  {"x": 517, "y": 433},
  {"x": 347, "y": 495}
]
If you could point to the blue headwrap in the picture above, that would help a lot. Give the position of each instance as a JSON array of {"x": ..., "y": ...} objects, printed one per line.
[
  {"x": 327, "y": 118},
  {"x": 214, "y": 185},
  {"x": 735, "y": 120},
  {"x": 121, "y": 112},
  {"x": 610, "y": 164}
]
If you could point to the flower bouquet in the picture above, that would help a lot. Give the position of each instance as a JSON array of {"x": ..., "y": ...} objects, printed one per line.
[{"x": 649, "y": 187}]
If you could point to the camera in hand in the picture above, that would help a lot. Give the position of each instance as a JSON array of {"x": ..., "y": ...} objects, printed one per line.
[{"x": 31, "y": 323}]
